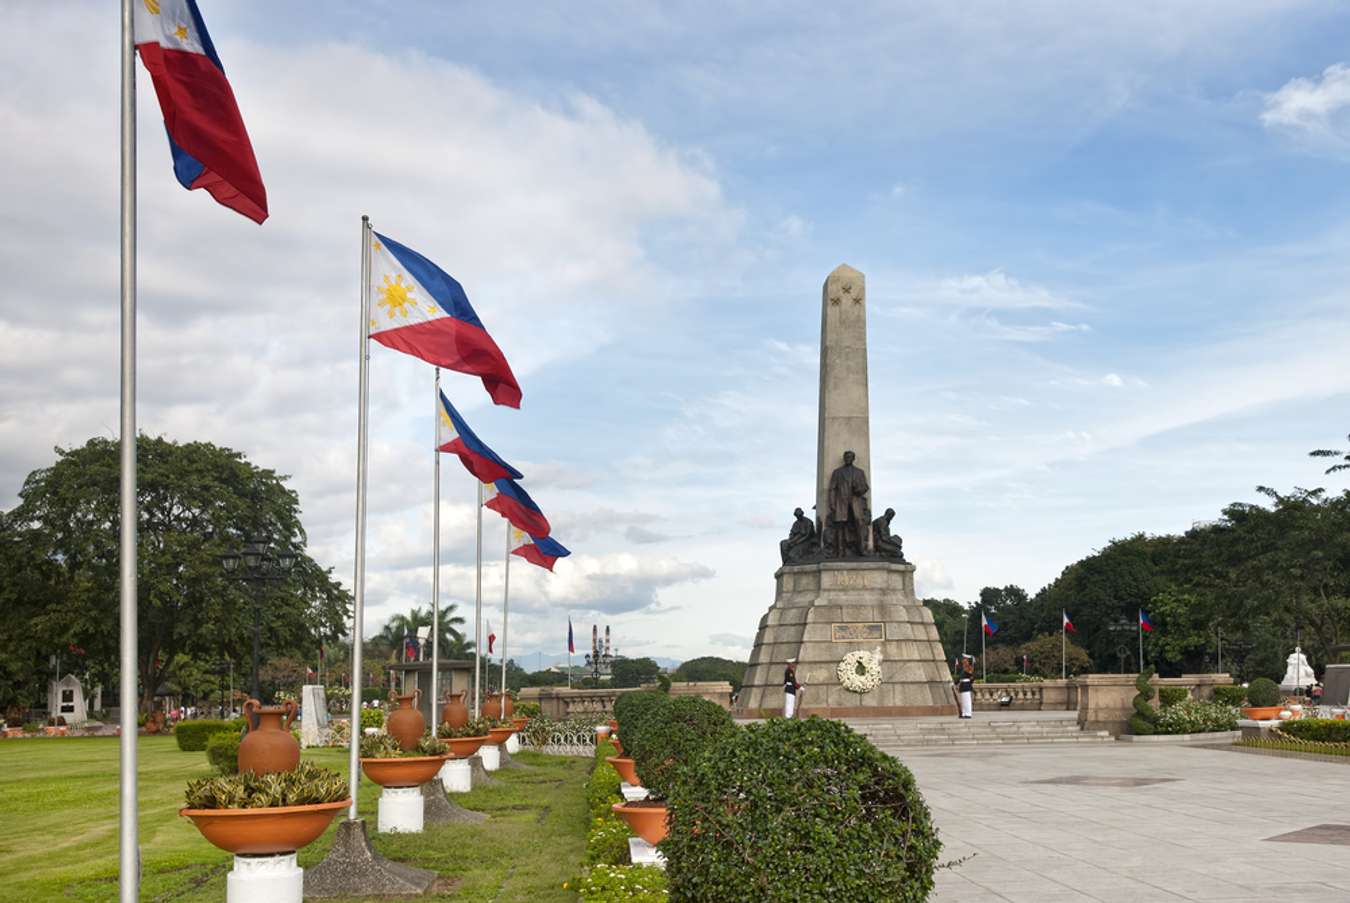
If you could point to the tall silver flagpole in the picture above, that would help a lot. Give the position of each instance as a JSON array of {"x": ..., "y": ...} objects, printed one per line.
[
  {"x": 436, "y": 561},
  {"x": 506, "y": 596},
  {"x": 359, "y": 579},
  {"x": 1063, "y": 647},
  {"x": 129, "y": 875},
  {"x": 478, "y": 601}
]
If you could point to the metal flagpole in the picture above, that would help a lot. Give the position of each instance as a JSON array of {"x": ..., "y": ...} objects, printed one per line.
[
  {"x": 569, "y": 651},
  {"x": 1141, "y": 643},
  {"x": 359, "y": 579},
  {"x": 984, "y": 667},
  {"x": 436, "y": 560},
  {"x": 478, "y": 601},
  {"x": 506, "y": 595},
  {"x": 1063, "y": 649},
  {"x": 129, "y": 875}
]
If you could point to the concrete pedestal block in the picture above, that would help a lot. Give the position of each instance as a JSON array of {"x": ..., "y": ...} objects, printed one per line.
[
  {"x": 456, "y": 775},
  {"x": 632, "y": 794},
  {"x": 513, "y": 743},
  {"x": 400, "y": 811},
  {"x": 491, "y": 756},
  {"x": 643, "y": 853},
  {"x": 265, "y": 879}
]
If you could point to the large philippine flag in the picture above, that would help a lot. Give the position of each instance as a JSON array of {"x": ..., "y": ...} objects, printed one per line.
[
  {"x": 207, "y": 138},
  {"x": 989, "y": 626},
  {"x": 454, "y": 436},
  {"x": 540, "y": 550},
  {"x": 421, "y": 310},
  {"x": 1068, "y": 625},
  {"x": 508, "y": 499},
  {"x": 1144, "y": 623}
]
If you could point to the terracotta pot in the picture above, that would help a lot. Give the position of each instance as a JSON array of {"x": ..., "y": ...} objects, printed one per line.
[
  {"x": 282, "y": 829},
  {"x": 624, "y": 766},
  {"x": 646, "y": 819},
  {"x": 463, "y": 747},
  {"x": 500, "y": 734},
  {"x": 405, "y": 723},
  {"x": 618, "y": 747},
  {"x": 492, "y": 706},
  {"x": 520, "y": 722},
  {"x": 154, "y": 724},
  {"x": 269, "y": 747},
  {"x": 455, "y": 712},
  {"x": 613, "y": 725},
  {"x": 1262, "y": 712},
  {"x": 412, "y": 771}
]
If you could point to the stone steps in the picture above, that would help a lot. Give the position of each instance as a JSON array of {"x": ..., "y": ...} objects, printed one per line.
[{"x": 907, "y": 734}]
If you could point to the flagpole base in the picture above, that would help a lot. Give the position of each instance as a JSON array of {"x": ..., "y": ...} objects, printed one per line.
[
  {"x": 457, "y": 776},
  {"x": 491, "y": 756},
  {"x": 265, "y": 879},
  {"x": 352, "y": 868},
  {"x": 438, "y": 810},
  {"x": 480, "y": 776},
  {"x": 400, "y": 811}
]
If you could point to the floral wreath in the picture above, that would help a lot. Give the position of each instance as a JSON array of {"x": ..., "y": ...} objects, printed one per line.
[{"x": 860, "y": 671}]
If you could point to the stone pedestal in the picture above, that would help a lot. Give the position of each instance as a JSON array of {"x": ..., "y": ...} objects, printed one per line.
[
  {"x": 313, "y": 715},
  {"x": 400, "y": 811},
  {"x": 642, "y": 853},
  {"x": 438, "y": 810},
  {"x": 491, "y": 756},
  {"x": 480, "y": 776},
  {"x": 352, "y": 868},
  {"x": 456, "y": 775},
  {"x": 823, "y": 611},
  {"x": 632, "y": 794},
  {"x": 513, "y": 744},
  {"x": 1336, "y": 685},
  {"x": 265, "y": 879}
]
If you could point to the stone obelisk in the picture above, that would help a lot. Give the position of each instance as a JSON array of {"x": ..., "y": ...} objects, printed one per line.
[
  {"x": 843, "y": 423},
  {"x": 830, "y": 611}
]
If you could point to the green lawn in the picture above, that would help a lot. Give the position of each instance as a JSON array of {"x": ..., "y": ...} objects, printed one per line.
[{"x": 58, "y": 805}]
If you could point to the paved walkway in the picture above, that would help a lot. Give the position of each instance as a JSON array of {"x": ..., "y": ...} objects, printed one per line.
[{"x": 1102, "y": 832}]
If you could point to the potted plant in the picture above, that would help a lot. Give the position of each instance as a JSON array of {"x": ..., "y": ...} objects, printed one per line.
[
  {"x": 267, "y": 814},
  {"x": 1264, "y": 700},
  {"x": 500, "y": 731},
  {"x": 386, "y": 763},
  {"x": 673, "y": 737},
  {"x": 463, "y": 741},
  {"x": 56, "y": 727}
]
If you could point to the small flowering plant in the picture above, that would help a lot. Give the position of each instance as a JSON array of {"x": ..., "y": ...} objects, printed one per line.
[
  {"x": 1190, "y": 716},
  {"x": 629, "y": 883}
]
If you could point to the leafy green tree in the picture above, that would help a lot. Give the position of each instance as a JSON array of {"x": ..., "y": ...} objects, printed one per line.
[
  {"x": 1333, "y": 453},
  {"x": 952, "y": 621},
  {"x": 1043, "y": 656},
  {"x": 197, "y": 501},
  {"x": 710, "y": 667},
  {"x": 633, "y": 672}
]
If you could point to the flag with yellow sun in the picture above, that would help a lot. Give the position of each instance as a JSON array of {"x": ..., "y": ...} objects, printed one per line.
[{"x": 419, "y": 309}]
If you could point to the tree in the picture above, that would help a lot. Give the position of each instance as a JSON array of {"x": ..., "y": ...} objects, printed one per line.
[
  {"x": 951, "y": 619},
  {"x": 710, "y": 667},
  {"x": 197, "y": 501},
  {"x": 1333, "y": 453},
  {"x": 633, "y": 672},
  {"x": 1043, "y": 656}
]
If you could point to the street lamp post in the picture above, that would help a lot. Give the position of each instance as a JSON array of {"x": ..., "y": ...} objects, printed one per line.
[{"x": 257, "y": 564}]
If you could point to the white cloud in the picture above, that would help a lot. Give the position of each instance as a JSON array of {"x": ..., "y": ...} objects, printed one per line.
[
  {"x": 994, "y": 290},
  {"x": 1312, "y": 108}
]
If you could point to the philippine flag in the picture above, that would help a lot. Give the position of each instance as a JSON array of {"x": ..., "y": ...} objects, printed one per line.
[
  {"x": 1144, "y": 623},
  {"x": 571, "y": 646},
  {"x": 989, "y": 626},
  {"x": 207, "y": 138},
  {"x": 492, "y": 637},
  {"x": 1068, "y": 625},
  {"x": 508, "y": 499},
  {"x": 454, "y": 436},
  {"x": 540, "y": 550},
  {"x": 420, "y": 310}
]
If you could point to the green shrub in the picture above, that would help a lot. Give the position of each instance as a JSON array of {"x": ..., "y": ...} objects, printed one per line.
[
  {"x": 1009, "y": 678},
  {"x": 1320, "y": 730},
  {"x": 1145, "y": 718},
  {"x": 604, "y": 749},
  {"x": 632, "y": 711},
  {"x": 192, "y": 735},
  {"x": 1234, "y": 695},
  {"x": 1191, "y": 716},
  {"x": 602, "y": 790},
  {"x": 1264, "y": 692},
  {"x": 674, "y": 736},
  {"x": 799, "y": 810},
  {"x": 372, "y": 718},
  {"x": 626, "y": 883},
  {"x": 528, "y": 710},
  {"x": 1170, "y": 696},
  {"x": 607, "y": 841},
  {"x": 222, "y": 751},
  {"x": 306, "y": 785}
]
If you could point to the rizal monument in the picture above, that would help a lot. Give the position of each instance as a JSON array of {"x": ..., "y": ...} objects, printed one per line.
[{"x": 844, "y": 609}]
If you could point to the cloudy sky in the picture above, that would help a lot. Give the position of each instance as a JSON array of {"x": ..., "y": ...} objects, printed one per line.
[{"x": 1107, "y": 250}]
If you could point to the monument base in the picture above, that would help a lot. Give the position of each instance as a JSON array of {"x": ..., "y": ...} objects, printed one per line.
[{"x": 824, "y": 610}]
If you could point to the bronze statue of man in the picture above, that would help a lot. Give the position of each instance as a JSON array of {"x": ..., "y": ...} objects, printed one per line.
[
  {"x": 846, "y": 515},
  {"x": 883, "y": 543},
  {"x": 801, "y": 539}
]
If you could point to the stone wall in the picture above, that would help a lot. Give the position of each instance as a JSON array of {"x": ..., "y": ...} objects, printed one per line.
[
  {"x": 563, "y": 704},
  {"x": 1102, "y": 701}
]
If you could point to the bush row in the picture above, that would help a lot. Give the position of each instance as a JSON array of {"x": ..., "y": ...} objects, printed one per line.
[
  {"x": 192, "y": 735},
  {"x": 1234, "y": 695},
  {"x": 1319, "y": 730}
]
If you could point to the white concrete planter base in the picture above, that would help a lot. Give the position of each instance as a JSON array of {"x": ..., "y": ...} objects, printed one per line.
[
  {"x": 632, "y": 794},
  {"x": 513, "y": 744},
  {"x": 643, "y": 853},
  {"x": 1214, "y": 737},
  {"x": 265, "y": 879},
  {"x": 401, "y": 810},
  {"x": 491, "y": 756},
  {"x": 457, "y": 776}
]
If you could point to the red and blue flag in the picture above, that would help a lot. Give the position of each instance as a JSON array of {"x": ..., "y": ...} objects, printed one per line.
[
  {"x": 207, "y": 138},
  {"x": 1144, "y": 623},
  {"x": 513, "y": 503},
  {"x": 989, "y": 626},
  {"x": 454, "y": 436},
  {"x": 571, "y": 645},
  {"x": 542, "y": 551},
  {"x": 1068, "y": 625},
  {"x": 419, "y": 309}
]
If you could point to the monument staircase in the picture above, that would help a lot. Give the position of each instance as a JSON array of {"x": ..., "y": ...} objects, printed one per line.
[{"x": 892, "y": 735}]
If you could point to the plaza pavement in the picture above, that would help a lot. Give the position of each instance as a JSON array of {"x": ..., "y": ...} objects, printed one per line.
[{"x": 1203, "y": 835}]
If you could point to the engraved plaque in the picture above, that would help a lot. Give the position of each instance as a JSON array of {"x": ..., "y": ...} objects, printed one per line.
[
  {"x": 849, "y": 580},
  {"x": 858, "y": 632}
]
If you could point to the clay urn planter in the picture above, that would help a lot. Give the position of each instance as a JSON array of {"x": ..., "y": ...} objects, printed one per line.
[
  {"x": 1262, "y": 712},
  {"x": 154, "y": 723},
  {"x": 267, "y": 831},
  {"x": 269, "y": 748},
  {"x": 647, "y": 819},
  {"x": 624, "y": 766},
  {"x": 463, "y": 747},
  {"x": 455, "y": 712},
  {"x": 500, "y": 735},
  {"x": 613, "y": 725},
  {"x": 519, "y": 722},
  {"x": 406, "y": 771},
  {"x": 405, "y": 723},
  {"x": 614, "y": 742},
  {"x": 492, "y": 706}
]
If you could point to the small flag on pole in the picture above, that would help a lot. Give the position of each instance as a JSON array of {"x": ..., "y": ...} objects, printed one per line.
[
  {"x": 543, "y": 551},
  {"x": 508, "y": 499},
  {"x": 207, "y": 138},
  {"x": 454, "y": 436},
  {"x": 571, "y": 644},
  {"x": 421, "y": 310},
  {"x": 1144, "y": 623},
  {"x": 492, "y": 637},
  {"x": 1068, "y": 625},
  {"x": 990, "y": 628}
]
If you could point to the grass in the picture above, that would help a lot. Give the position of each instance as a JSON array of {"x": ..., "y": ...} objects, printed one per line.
[{"x": 58, "y": 804}]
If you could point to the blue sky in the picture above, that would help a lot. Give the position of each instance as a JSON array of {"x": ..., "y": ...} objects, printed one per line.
[{"x": 1105, "y": 249}]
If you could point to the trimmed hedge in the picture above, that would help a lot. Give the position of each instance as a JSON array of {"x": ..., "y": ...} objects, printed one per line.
[
  {"x": 1144, "y": 721},
  {"x": 674, "y": 737},
  {"x": 192, "y": 735},
  {"x": 798, "y": 810},
  {"x": 1170, "y": 696},
  {"x": 222, "y": 751},
  {"x": 1319, "y": 730},
  {"x": 1235, "y": 695},
  {"x": 1264, "y": 692},
  {"x": 632, "y": 711}
]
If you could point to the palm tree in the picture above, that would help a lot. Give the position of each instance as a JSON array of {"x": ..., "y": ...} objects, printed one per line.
[
  {"x": 401, "y": 627},
  {"x": 1333, "y": 453}
]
